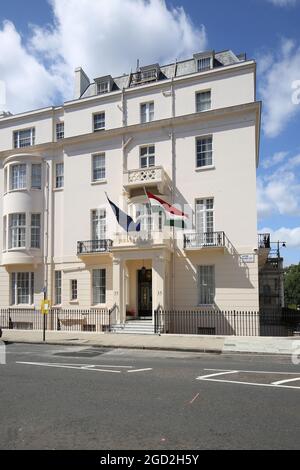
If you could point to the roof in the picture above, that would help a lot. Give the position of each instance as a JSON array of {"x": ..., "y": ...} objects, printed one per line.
[{"x": 177, "y": 69}]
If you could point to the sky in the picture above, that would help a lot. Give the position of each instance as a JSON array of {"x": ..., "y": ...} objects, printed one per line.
[{"x": 42, "y": 42}]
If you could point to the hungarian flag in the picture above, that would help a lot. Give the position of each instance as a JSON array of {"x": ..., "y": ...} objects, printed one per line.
[{"x": 174, "y": 217}]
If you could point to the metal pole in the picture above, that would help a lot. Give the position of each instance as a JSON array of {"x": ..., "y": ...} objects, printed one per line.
[{"x": 44, "y": 318}]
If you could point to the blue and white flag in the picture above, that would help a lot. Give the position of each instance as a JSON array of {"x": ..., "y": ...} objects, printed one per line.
[{"x": 124, "y": 220}]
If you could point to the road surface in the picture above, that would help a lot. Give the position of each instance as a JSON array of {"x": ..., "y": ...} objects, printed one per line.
[{"x": 69, "y": 397}]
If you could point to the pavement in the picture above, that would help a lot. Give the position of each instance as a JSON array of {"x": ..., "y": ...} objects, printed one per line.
[
  {"x": 201, "y": 344},
  {"x": 81, "y": 397}
]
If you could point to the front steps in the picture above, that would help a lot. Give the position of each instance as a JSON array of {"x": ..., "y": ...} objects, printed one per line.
[{"x": 140, "y": 327}]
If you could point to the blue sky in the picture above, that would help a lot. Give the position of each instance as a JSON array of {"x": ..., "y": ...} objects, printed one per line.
[{"x": 50, "y": 39}]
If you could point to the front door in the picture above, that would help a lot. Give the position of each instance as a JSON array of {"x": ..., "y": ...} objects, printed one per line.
[{"x": 145, "y": 293}]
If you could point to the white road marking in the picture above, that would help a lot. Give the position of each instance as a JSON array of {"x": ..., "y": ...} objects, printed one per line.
[
  {"x": 76, "y": 364},
  {"x": 219, "y": 373},
  {"x": 248, "y": 383},
  {"x": 256, "y": 371},
  {"x": 68, "y": 366},
  {"x": 279, "y": 382},
  {"x": 195, "y": 398},
  {"x": 91, "y": 367}
]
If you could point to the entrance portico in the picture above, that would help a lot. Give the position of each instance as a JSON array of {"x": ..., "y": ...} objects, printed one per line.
[{"x": 140, "y": 282}]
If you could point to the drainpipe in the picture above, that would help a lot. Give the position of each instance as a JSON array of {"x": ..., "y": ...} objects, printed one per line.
[
  {"x": 173, "y": 185},
  {"x": 46, "y": 227},
  {"x": 51, "y": 228}
]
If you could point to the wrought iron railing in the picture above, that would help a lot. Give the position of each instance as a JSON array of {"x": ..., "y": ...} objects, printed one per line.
[
  {"x": 94, "y": 246},
  {"x": 206, "y": 239},
  {"x": 237, "y": 323},
  {"x": 280, "y": 322},
  {"x": 57, "y": 319}
]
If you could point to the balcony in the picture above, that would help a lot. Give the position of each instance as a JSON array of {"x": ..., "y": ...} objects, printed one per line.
[
  {"x": 92, "y": 247},
  {"x": 206, "y": 240},
  {"x": 142, "y": 240},
  {"x": 21, "y": 256},
  {"x": 146, "y": 177}
]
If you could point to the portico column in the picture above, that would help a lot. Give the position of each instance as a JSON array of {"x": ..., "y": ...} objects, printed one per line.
[
  {"x": 158, "y": 281},
  {"x": 119, "y": 288}
]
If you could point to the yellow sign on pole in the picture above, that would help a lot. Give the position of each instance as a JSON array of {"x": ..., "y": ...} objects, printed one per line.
[{"x": 45, "y": 306}]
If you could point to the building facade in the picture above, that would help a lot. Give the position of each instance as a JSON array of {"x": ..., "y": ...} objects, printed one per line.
[{"x": 187, "y": 132}]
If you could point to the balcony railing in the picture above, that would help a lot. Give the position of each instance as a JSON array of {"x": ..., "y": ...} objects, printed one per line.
[
  {"x": 94, "y": 246},
  {"x": 143, "y": 239},
  {"x": 206, "y": 239},
  {"x": 264, "y": 240},
  {"x": 152, "y": 176}
]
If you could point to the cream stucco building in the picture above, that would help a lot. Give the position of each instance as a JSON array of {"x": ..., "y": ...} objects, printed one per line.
[{"x": 187, "y": 132}]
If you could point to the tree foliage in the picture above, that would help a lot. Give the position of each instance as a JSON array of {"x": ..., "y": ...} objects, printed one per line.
[{"x": 292, "y": 284}]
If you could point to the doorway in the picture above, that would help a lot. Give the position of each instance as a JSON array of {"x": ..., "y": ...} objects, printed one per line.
[{"x": 145, "y": 293}]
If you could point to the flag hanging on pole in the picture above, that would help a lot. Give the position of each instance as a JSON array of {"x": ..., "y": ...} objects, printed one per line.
[
  {"x": 124, "y": 220},
  {"x": 174, "y": 217}
]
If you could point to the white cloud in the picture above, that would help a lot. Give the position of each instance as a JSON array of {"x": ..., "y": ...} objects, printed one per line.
[
  {"x": 104, "y": 37},
  {"x": 279, "y": 192},
  {"x": 277, "y": 73},
  {"x": 283, "y": 3},
  {"x": 28, "y": 84},
  {"x": 278, "y": 157},
  {"x": 289, "y": 235}
]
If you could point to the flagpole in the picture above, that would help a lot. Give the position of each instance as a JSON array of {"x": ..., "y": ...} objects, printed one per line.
[{"x": 151, "y": 214}]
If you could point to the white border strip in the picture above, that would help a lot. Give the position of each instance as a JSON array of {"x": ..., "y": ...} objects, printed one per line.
[
  {"x": 279, "y": 382},
  {"x": 247, "y": 383}
]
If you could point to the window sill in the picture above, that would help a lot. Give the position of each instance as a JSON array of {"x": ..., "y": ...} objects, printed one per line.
[
  {"x": 16, "y": 248},
  {"x": 104, "y": 181},
  {"x": 205, "y": 168},
  {"x": 74, "y": 302},
  {"x": 22, "y": 306},
  {"x": 99, "y": 130},
  {"x": 17, "y": 190},
  {"x": 210, "y": 306},
  {"x": 203, "y": 110},
  {"x": 57, "y": 190}
]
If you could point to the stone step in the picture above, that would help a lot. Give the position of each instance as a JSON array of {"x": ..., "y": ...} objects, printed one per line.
[{"x": 134, "y": 327}]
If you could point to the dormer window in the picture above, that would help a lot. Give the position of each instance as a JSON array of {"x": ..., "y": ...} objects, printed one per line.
[
  {"x": 104, "y": 84},
  {"x": 149, "y": 73},
  {"x": 204, "y": 61},
  {"x": 102, "y": 87},
  {"x": 204, "y": 64}
]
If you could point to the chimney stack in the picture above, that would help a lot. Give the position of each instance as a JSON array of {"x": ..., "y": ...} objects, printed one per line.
[{"x": 82, "y": 81}]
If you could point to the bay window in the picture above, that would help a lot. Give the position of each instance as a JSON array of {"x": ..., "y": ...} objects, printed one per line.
[{"x": 17, "y": 230}]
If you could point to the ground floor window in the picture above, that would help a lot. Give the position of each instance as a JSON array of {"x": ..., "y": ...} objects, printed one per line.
[
  {"x": 206, "y": 285},
  {"x": 57, "y": 287},
  {"x": 99, "y": 286},
  {"x": 22, "y": 288},
  {"x": 74, "y": 289}
]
